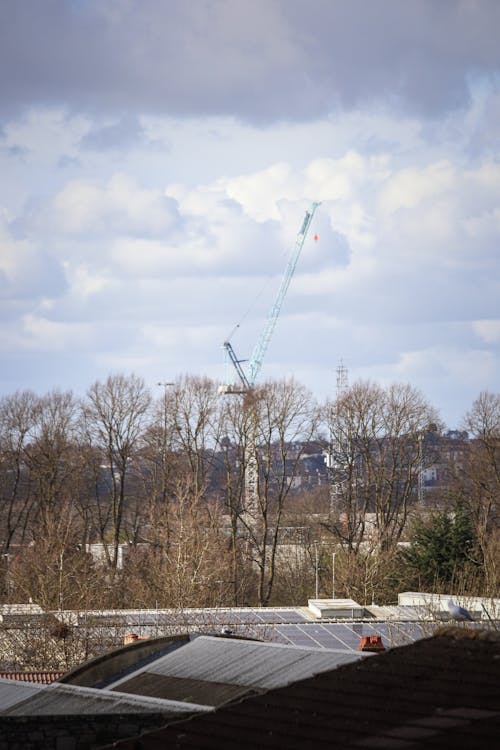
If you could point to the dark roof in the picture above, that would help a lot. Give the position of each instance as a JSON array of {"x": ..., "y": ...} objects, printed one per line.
[
  {"x": 437, "y": 693},
  {"x": 169, "y": 687}
]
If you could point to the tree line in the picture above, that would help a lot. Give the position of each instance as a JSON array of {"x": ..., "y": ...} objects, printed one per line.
[{"x": 166, "y": 477}]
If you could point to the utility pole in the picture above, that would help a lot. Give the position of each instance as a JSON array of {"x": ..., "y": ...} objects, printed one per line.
[{"x": 316, "y": 569}]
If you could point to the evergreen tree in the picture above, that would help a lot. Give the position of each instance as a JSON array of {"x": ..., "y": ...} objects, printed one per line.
[{"x": 441, "y": 546}]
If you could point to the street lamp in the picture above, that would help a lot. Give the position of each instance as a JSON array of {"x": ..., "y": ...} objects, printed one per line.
[
  {"x": 333, "y": 574},
  {"x": 316, "y": 569},
  {"x": 163, "y": 384}
]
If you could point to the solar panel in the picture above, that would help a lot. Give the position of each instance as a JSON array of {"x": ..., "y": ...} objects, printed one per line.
[
  {"x": 291, "y": 616},
  {"x": 327, "y": 639},
  {"x": 280, "y": 624},
  {"x": 244, "y": 617},
  {"x": 403, "y": 633},
  {"x": 347, "y": 636},
  {"x": 295, "y": 634},
  {"x": 307, "y": 635}
]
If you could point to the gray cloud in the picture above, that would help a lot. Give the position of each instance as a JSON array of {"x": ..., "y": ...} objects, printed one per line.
[
  {"x": 261, "y": 61},
  {"x": 15, "y": 152},
  {"x": 123, "y": 133}
]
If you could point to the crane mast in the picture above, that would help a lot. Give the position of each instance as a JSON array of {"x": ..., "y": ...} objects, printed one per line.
[{"x": 247, "y": 379}]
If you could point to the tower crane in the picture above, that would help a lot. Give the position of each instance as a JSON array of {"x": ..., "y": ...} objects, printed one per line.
[{"x": 247, "y": 378}]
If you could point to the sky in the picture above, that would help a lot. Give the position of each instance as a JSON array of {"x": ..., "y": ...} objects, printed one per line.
[{"x": 157, "y": 158}]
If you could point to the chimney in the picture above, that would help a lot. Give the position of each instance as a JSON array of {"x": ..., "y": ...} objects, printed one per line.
[{"x": 372, "y": 643}]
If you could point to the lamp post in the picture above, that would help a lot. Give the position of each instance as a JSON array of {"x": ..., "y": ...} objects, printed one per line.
[
  {"x": 316, "y": 570},
  {"x": 164, "y": 385},
  {"x": 333, "y": 574}
]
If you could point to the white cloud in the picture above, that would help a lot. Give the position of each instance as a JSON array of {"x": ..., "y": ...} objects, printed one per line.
[
  {"x": 42, "y": 334},
  {"x": 142, "y": 258},
  {"x": 146, "y": 214},
  {"x": 119, "y": 205},
  {"x": 85, "y": 282},
  {"x": 487, "y": 330},
  {"x": 257, "y": 193},
  {"x": 410, "y": 187},
  {"x": 44, "y": 134},
  {"x": 26, "y": 272},
  {"x": 152, "y": 268},
  {"x": 466, "y": 366},
  {"x": 13, "y": 255}
]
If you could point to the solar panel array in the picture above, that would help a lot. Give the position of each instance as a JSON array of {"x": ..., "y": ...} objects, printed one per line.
[
  {"x": 287, "y": 627},
  {"x": 193, "y": 617},
  {"x": 281, "y": 625},
  {"x": 347, "y": 636}
]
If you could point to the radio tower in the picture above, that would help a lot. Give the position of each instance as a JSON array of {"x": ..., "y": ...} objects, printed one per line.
[{"x": 342, "y": 380}]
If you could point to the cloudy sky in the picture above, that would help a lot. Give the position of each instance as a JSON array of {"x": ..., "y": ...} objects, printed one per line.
[{"x": 157, "y": 158}]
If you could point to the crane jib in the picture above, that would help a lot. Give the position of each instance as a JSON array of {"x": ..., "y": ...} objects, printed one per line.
[
  {"x": 247, "y": 378},
  {"x": 307, "y": 219}
]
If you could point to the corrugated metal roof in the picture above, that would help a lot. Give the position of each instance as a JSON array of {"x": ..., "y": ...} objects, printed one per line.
[
  {"x": 57, "y": 700},
  {"x": 225, "y": 662},
  {"x": 441, "y": 692},
  {"x": 185, "y": 689},
  {"x": 108, "y": 667},
  {"x": 12, "y": 692}
]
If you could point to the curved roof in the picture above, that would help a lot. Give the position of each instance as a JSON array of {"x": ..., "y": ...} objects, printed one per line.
[{"x": 109, "y": 667}]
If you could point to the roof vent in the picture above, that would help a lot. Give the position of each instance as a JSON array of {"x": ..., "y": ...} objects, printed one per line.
[
  {"x": 336, "y": 608},
  {"x": 371, "y": 643}
]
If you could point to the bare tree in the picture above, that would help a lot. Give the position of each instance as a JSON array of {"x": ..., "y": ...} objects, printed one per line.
[
  {"x": 280, "y": 418},
  {"x": 17, "y": 420},
  {"x": 190, "y": 566},
  {"x": 158, "y": 462},
  {"x": 196, "y": 426},
  {"x": 378, "y": 450},
  {"x": 175, "y": 444},
  {"x": 53, "y": 570},
  {"x": 50, "y": 453},
  {"x": 115, "y": 415},
  {"x": 481, "y": 480}
]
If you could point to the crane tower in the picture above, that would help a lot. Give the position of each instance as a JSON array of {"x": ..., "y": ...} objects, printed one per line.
[{"x": 246, "y": 377}]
